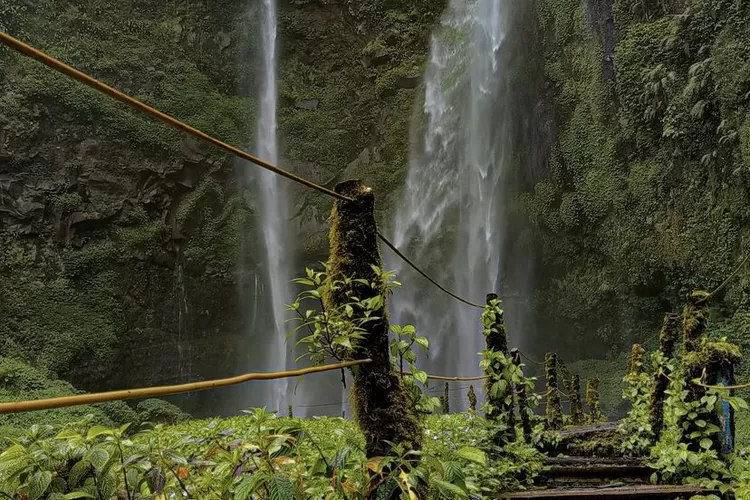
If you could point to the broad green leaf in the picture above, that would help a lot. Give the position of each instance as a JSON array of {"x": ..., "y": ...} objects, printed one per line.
[
  {"x": 422, "y": 341},
  {"x": 78, "y": 494},
  {"x": 99, "y": 458},
  {"x": 280, "y": 488},
  {"x": 39, "y": 483},
  {"x": 454, "y": 490},
  {"x": 706, "y": 443},
  {"x": 472, "y": 454},
  {"x": 77, "y": 472},
  {"x": 15, "y": 451},
  {"x": 420, "y": 376},
  {"x": 68, "y": 434},
  {"x": 98, "y": 430}
]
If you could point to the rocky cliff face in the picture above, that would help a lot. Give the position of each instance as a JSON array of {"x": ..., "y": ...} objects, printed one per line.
[{"x": 125, "y": 244}]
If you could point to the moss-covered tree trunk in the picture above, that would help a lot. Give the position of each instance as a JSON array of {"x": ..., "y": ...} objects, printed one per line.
[
  {"x": 523, "y": 402},
  {"x": 554, "y": 407},
  {"x": 382, "y": 407},
  {"x": 496, "y": 339},
  {"x": 670, "y": 331}
]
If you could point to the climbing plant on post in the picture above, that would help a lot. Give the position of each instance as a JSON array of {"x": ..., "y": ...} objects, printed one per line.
[
  {"x": 663, "y": 367},
  {"x": 382, "y": 407},
  {"x": 524, "y": 408},
  {"x": 498, "y": 367},
  {"x": 554, "y": 407},
  {"x": 638, "y": 384},
  {"x": 592, "y": 400}
]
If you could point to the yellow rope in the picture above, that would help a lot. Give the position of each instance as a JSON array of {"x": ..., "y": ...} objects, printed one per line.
[
  {"x": 151, "y": 392},
  {"x": 92, "y": 82}
]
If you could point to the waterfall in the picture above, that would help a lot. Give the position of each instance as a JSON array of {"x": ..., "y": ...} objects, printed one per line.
[
  {"x": 274, "y": 214},
  {"x": 450, "y": 219}
]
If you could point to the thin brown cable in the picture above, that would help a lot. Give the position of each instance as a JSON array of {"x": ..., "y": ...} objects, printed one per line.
[
  {"x": 150, "y": 392},
  {"x": 95, "y": 84},
  {"x": 540, "y": 363},
  {"x": 92, "y": 82},
  {"x": 729, "y": 278},
  {"x": 424, "y": 274},
  {"x": 449, "y": 379}
]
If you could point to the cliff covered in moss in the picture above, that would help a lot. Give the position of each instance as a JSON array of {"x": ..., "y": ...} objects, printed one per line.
[
  {"x": 125, "y": 247},
  {"x": 646, "y": 194},
  {"x": 124, "y": 243}
]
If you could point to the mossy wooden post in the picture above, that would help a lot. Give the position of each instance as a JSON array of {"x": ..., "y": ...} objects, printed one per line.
[
  {"x": 694, "y": 320},
  {"x": 576, "y": 407},
  {"x": 554, "y": 407},
  {"x": 496, "y": 339},
  {"x": 382, "y": 408},
  {"x": 290, "y": 411},
  {"x": 472, "y": 399},
  {"x": 576, "y": 410},
  {"x": 446, "y": 400},
  {"x": 523, "y": 403},
  {"x": 592, "y": 400},
  {"x": 670, "y": 331},
  {"x": 694, "y": 326}
]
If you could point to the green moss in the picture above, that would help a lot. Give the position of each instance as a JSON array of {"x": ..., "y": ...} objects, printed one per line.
[
  {"x": 67, "y": 202},
  {"x": 157, "y": 411}
]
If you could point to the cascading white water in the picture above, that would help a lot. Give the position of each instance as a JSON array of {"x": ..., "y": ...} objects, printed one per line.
[
  {"x": 450, "y": 220},
  {"x": 274, "y": 213}
]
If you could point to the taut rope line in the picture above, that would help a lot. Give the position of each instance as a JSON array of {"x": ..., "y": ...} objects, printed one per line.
[
  {"x": 95, "y": 84},
  {"x": 150, "y": 392}
]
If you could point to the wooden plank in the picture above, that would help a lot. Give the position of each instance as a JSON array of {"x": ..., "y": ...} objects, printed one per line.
[{"x": 649, "y": 491}]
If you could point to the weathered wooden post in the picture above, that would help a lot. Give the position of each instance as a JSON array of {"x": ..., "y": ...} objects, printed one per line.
[
  {"x": 711, "y": 362},
  {"x": 496, "y": 339},
  {"x": 446, "y": 400},
  {"x": 554, "y": 407},
  {"x": 572, "y": 387},
  {"x": 382, "y": 408},
  {"x": 523, "y": 403},
  {"x": 592, "y": 399},
  {"x": 668, "y": 335},
  {"x": 472, "y": 400},
  {"x": 694, "y": 320},
  {"x": 290, "y": 411},
  {"x": 576, "y": 407}
]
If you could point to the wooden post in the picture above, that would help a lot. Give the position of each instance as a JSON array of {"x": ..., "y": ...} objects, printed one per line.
[
  {"x": 446, "y": 400},
  {"x": 496, "y": 339},
  {"x": 694, "y": 320},
  {"x": 694, "y": 326},
  {"x": 670, "y": 331},
  {"x": 472, "y": 400},
  {"x": 554, "y": 407},
  {"x": 572, "y": 387},
  {"x": 290, "y": 412},
  {"x": 523, "y": 404},
  {"x": 382, "y": 408},
  {"x": 592, "y": 399},
  {"x": 576, "y": 407}
]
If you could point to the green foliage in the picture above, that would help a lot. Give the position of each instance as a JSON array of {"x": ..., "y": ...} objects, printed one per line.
[
  {"x": 635, "y": 427},
  {"x": 627, "y": 215},
  {"x": 257, "y": 455},
  {"x": 158, "y": 411},
  {"x": 335, "y": 333},
  {"x": 402, "y": 350}
]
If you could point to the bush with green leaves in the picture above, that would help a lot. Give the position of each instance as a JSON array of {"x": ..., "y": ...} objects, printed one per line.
[{"x": 257, "y": 456}]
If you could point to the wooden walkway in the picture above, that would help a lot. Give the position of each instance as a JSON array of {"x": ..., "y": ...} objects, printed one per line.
[{"x": 666, "y": 492}]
